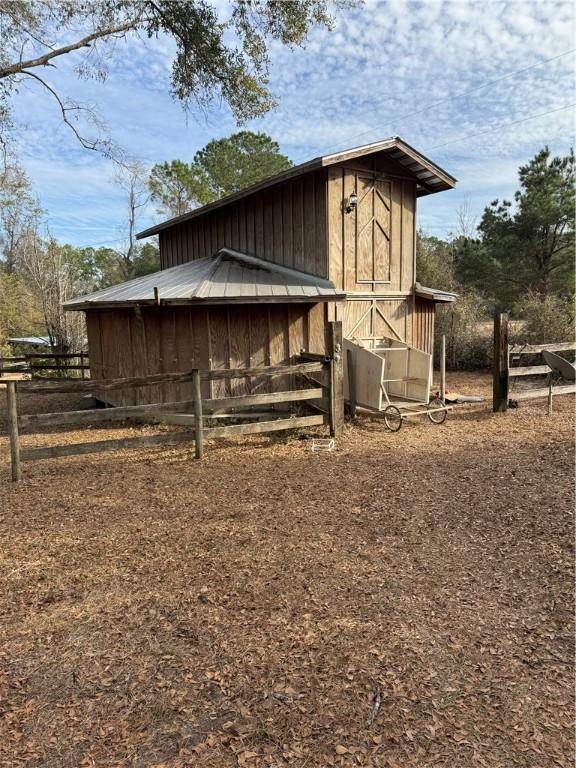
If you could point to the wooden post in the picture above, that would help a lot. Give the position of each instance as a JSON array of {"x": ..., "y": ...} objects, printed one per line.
[
  {"x": 198, "y": 426},
  {"x": 550, "y": 393},
  {"x": 336, "y": 378},
  {"x": 500, "y": 363},
  {"x": 82, "y": 364},
  {"x": 13, "y": 430},
  {"x": 351, "y": 382},
  {"x": 443, "y": 369}
]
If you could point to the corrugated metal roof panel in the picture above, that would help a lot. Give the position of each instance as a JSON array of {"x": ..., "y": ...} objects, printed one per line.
[{"x": 228, "y": 276}]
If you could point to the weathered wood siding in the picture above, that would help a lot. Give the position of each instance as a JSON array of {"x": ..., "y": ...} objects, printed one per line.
[
  {"x": 423, "y": 324},
  {"x": 127, "y": 342},
  {"x": 285, "y": 224},
  {"x": 371, "y": 250},
  {"x": 371, "y": 318}
]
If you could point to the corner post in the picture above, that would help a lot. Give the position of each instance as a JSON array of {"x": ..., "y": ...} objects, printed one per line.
[
  {"x": 198, "y": 426},
  {"x": 500, "y": 363},
  {"x": 336, "y": 378},
  {"x": 443, "y": 370},
  {"x": 12, "y": 404}
]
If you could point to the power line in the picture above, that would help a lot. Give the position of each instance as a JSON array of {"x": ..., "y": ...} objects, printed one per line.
[
  {"x": 453, "y": 98},
  {"x": 501, "y": 125}
]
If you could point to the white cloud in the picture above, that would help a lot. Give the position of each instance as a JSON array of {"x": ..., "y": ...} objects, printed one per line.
[{"x": 371, "y": 77}]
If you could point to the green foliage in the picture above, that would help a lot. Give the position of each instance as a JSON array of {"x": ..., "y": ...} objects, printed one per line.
[
  {"x": 19, "y": 313},
  {"x": 214, "y": 57},
  {"x": 222, "y": 167},
  {"x": 543, "y": 318},
  {"x": 527, "y": 246},
  {"x": 467, "y": 326},
  {"x": 434, "y": 262},
  {"x": 177, "y": 187}
]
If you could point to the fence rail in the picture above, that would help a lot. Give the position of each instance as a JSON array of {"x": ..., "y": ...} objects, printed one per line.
[
  {"x": 61, "y": 362},
  {"x": 505, "y": 354},
  {"x": 186, "y": 413}
]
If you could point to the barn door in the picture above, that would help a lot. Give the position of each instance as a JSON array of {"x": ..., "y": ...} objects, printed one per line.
[{"x": 372, "y": 230}]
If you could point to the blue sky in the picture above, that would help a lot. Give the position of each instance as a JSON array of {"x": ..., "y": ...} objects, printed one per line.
[{"x": 443, "y": 75}]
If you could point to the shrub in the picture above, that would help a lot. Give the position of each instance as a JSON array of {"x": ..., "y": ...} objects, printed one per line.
[
  {"x": 545, "y": 319},
  {"x": 468, "y": 330}
]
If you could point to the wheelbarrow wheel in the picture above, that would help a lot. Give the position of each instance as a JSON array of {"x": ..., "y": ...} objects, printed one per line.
[
  {"x": 392, "y": 418},
  {"x": 437, "y": 417}
]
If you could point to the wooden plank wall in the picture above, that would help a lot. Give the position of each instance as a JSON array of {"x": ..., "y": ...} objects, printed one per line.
[
  {"x": 344, "y": 254},
  {"x": 372, "y": 325},
  {"x": 423, "y": 324},
  {"x": 285, "y": 224},
  {"x": 127, "y": 342}
]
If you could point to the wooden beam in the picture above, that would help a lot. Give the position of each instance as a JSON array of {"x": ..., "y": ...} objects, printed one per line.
[
  {"x": 95, "y": 385},
  {"x": 267, "y": 398},
  {"x": 528, "y": 370},
  {"x": 12, "y": 414},
  {"x": 198, "y": 425},
  {"x": 97, "y": 415},
  {"x": 530, "y": 394},
  {"x": 443, "y": 369},
  {"x": 351, "y": 371},
  {"x": 73, "y": 449},
  {"x": 500, "y": 379},
  {"x": 260, "y": 427},
  {"x": 532, "y": 349},
  {"x": 336, "y": 378}
]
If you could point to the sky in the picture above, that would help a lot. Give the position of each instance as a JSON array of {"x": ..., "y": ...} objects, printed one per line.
[{"x": 479, "y": 87}]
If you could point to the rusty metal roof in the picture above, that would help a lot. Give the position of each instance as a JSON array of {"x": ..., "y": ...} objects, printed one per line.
[
  {"x": 227, "y": 277},
  {"x": 430, "y": 177}
]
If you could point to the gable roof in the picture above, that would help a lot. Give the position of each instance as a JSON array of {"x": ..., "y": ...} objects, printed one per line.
[
  {"x": 430, "y": 177},
  {"x": 227, "y": 277}
]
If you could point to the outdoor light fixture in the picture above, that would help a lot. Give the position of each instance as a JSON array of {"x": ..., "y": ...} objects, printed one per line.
[{"x": 352, "y": 202}]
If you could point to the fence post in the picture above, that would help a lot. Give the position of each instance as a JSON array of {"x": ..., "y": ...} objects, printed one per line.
[
  {"x": 12, "y": 407},
  {"x": 336, "y": 377},
  {"x": 500, "y": 363},
  {"x": 443, "y": 370},
  {"x": 198, "y": 426},
  {"x": 351, "y": 367}
]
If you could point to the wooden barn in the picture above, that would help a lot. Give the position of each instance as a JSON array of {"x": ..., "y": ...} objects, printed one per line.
[{"x": 254, "y": 278}]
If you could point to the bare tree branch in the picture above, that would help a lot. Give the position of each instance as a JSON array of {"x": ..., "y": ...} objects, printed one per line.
[
  {"x": 97, "y": 145},
  {"x": 85, "y": 42}
]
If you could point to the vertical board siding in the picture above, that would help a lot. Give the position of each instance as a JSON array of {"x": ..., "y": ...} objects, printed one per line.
[
  {"x": 423, "y": 325},
  {"x": 126, "y": 342},
  {"x": 286, "y": 224},
  {"x": 391, "y": 199}
]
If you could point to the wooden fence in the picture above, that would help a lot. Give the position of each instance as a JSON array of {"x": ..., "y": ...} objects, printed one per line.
[
  {"x": 39, "y": 363},
  {"x": 190, "y": 413},
  {"x": 506, "y": 359}
]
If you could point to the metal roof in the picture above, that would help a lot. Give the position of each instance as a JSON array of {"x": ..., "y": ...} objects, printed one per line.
[
  {"x": 227, "y": 277},
  {"x": 430, "y": 177},
  {"x": 433, "y": 294},
  {"x": 38, "y": 341}
]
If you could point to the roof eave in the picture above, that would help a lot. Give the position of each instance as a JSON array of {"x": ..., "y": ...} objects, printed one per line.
[
  {"x": 90, "y": 305},
  {"x": 324, "y": 161}
]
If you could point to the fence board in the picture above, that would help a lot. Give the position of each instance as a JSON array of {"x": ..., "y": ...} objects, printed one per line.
[
  {"x": 532, "y": 349},
  {"x": 93, "y": 385},
  {"x": 73, "y": 449},
  {"x": 529, "y": 394},
  {"x": 264, "y": 426},
  {"x": 528, "y": 370}
]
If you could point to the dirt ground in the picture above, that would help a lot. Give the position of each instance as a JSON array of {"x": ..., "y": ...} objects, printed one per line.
[{"x": 404, "y": 601}]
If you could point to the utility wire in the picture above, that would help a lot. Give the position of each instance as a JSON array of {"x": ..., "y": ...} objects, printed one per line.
[
  {"x": 500, "y": 125},
  {"x": 452, "y": 98}
]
